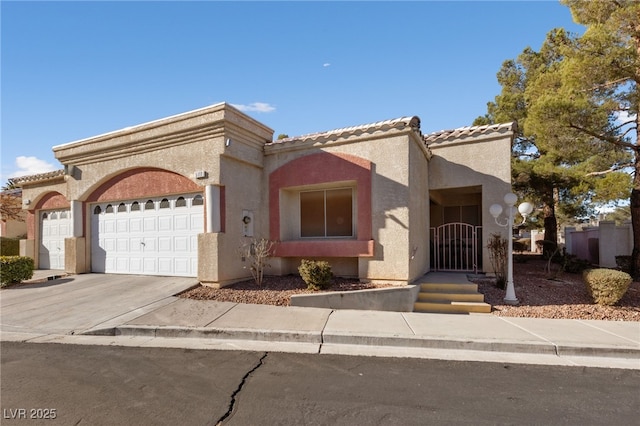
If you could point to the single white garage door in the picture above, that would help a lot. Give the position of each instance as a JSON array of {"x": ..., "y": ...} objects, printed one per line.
[
  {"x": 55, "y": 226},
  {"x": 151, "y": 236}
]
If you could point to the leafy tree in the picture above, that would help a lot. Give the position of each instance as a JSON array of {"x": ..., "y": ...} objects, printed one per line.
[
  {"x": 592, "y": 96},
  {"x": 571, "y": 148},
  {"x": 11, "y": 202}
]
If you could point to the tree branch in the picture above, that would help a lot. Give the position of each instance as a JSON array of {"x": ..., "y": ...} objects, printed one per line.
[
  {"x": 611, "y": 170},
  {"x": 610, "y": 139}
]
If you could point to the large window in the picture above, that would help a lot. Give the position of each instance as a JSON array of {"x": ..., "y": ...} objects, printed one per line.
[{"x": 326, "y": 213}]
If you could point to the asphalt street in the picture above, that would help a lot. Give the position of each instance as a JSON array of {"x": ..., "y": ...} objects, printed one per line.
[{"x": 109, "y": 385}]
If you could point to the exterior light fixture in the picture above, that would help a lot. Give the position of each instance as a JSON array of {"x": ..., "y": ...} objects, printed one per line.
[{"x": 525, "y": 210}]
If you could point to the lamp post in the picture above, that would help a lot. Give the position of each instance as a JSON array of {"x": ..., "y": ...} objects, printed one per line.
[{"x": 525, "y": 209}]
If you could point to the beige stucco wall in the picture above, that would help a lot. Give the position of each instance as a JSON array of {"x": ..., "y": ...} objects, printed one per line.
[
  {"x": 419, "y": 250},
  {"x": 483, "y": 161},
  {"x": 219, "y": 140}
]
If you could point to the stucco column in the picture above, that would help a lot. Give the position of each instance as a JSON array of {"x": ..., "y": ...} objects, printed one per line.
[
  {"x": 607, "y": 243},
  {"x": 212, "y": 207},
  {"x": 76, "y": 217}
]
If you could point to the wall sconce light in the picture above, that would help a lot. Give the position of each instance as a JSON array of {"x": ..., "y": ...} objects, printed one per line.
[
  {"x": 27, "y": 202},
  {"x": 227, "y": 142}
]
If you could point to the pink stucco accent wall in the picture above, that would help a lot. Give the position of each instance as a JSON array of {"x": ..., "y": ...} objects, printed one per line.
[
  {"x": 316, "y": 169},
  {"x": 144, "y": 182}
]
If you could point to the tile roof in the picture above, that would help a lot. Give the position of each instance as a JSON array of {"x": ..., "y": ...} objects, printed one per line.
[
  {"x": 38, "y": 177},
  {"x": 468, "y": 132},
  {"x": 397, "y": 123}
]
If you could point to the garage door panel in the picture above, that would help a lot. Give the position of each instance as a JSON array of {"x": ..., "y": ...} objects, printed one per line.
[
  {"x": 150, "y": 224},
  {"x": 152, "y": 236},
  {"x": 164, "y": 244},
  {"x": 135, "y": 224},
  {"x": 55, "y": 226},
  {"x": 182, "y": 244},
  {"x": 181, "y": 222},
  {"x": 122, "y": 263},
  {"x": 150, "y": 245},
  {"x": 136, "y": 245},
  {"x": 122, "y": 225},
  {"x": 164, "y": 266},
  {"x": 182, "y": 265},
  {"x": 164, "y": 223},
  {"x": 150, "y": 266},
  {"x": 110, "y": 245},
  {"x": 135, "y": 265},
  {"x": 122, "y": 245},
  {"x": 197, "y": 224}
]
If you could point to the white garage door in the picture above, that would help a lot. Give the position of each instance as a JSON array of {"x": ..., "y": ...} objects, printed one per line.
[
  {"x": 55, "y": 226},
  {"x": 151, "y": 236}
]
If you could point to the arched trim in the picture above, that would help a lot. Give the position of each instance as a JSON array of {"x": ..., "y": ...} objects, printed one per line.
[
  {"x": 142, "y": 182},
  {"x": 53, "y": 200}
]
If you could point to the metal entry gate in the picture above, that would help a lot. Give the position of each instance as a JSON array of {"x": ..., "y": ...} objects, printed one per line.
[{"x": 454, "y": 247}]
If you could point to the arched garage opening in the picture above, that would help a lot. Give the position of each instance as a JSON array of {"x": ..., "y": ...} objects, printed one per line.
[
  {"x": 54, "y": 223},
  {"x": 146, "y": 221}
]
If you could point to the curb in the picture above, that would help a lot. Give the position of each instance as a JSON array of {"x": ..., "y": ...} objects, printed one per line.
[{"x": 390, "y": 341}]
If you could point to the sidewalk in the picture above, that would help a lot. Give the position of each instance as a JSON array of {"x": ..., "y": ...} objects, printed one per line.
[{"x": 478, "y": 337}]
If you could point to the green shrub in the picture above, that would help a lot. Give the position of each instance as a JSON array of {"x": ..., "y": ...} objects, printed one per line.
[
  {"x": 9, "y": 246},
  {"x": 316, "y": 273},
  {"x": 15, "y": 269},
  {"x": 606, "y": 286}
]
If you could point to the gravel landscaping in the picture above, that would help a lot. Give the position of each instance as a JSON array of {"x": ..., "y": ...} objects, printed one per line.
[{"x": 565, "y": 296}]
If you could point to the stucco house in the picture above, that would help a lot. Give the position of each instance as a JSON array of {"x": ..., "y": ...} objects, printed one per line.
[{"x": 179, "y": 195}]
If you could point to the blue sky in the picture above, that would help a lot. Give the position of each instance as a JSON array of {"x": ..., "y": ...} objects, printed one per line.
[{"x": 72, "y": 70}]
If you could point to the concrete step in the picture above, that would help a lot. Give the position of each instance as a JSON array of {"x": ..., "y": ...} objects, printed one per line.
[
  {"x": 449, "y": 288},
  {"x": 450, "y": 297},
  {"x": 452, "y": 307}
]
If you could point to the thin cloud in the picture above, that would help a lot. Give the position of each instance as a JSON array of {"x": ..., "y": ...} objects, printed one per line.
[
  {"x": 326, "y": 64},
  {"x": 31, "y": 166},
  {"x": 255, "y": 107}
]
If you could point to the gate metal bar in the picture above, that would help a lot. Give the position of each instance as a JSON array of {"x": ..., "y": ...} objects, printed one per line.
[{"x": 455, "y": 247}]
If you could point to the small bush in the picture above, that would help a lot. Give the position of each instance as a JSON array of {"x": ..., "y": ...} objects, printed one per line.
[
  {"x": 521, "y": 245},
  {"x": 606, "y": 286},
  {"x": 316, "y": 273},
  {"x": 15, "y": 269},
  {"x": 498, "y": 255},
  {"x": 257, "y": 252},
  {"x": 9, "y": 246}
]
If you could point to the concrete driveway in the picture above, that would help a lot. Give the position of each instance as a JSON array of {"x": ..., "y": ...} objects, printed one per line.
[{"x": 77, "y": 303}]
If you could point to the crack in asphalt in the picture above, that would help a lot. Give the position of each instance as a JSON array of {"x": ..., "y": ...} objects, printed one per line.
[{"x": 235, "y": 393}]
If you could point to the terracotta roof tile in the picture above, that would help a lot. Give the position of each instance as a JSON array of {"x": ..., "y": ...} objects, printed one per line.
[
  {"x": 38, "y": 177},
  {"x": 468, "y": 132},
  {"x": 397, "y": 123}
]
